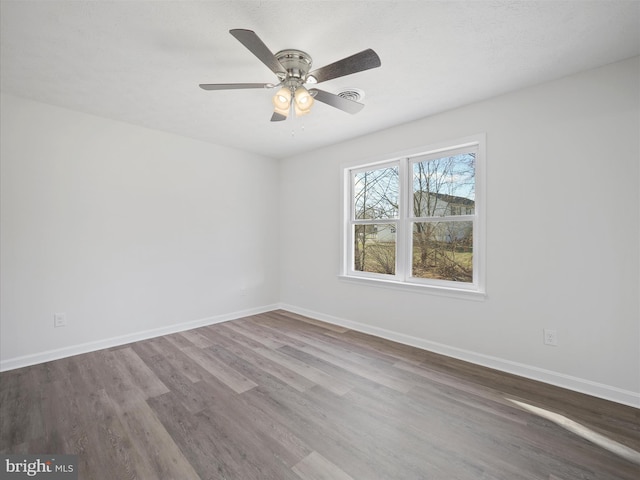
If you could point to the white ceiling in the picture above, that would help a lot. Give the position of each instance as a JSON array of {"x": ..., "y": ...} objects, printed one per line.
[{"x": 141, "y": 62}]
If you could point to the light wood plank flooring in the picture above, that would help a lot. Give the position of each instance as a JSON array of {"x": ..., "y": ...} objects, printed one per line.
[{"x": 277, "y": 396}]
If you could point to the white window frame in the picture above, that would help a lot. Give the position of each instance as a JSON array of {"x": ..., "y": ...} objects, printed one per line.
[{"x": 402, "y": 279}]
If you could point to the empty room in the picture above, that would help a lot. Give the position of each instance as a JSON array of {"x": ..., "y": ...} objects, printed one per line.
[{"x": 320, "y": 240}]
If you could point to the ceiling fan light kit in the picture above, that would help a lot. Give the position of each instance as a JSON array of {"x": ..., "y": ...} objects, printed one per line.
[
  {"x": 291, "y": 67},
  {"x": 282, "y": 101},
  {"x": 303, "y": 101}
]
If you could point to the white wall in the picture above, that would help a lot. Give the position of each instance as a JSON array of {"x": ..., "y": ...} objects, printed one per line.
[
  {"x": 562, "y": 232},
  {"x": 130, "y": 232},
  {"x": 134, "y": 233}
]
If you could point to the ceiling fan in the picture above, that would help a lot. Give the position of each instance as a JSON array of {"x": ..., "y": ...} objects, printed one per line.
[{"x": 292, "y": 69}]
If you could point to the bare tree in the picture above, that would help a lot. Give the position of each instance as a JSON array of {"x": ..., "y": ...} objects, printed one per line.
[
  {"x": 375, "y": 197},
  {"x": 442, "y": 187}
]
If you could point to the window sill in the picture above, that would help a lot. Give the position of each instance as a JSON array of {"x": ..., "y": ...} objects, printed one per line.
[{"x": 416, "y": 288}]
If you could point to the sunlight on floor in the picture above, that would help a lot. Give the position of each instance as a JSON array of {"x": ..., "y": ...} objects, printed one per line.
[{"x": 586, "y": 433}]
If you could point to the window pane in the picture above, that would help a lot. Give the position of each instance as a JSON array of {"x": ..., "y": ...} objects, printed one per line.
[
  {"x": 444, "y": 186},
  {"x": 443, "y": 251},
  {"x": 374, "y": 248},
  {"x": 376, "y": 193}
]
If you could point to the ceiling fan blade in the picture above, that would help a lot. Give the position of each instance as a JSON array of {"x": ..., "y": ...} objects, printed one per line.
[
  {"x": 256, "y": 46},
  {"x": 278, "y": 117},
  {"x": 233, "y": 86},
  {"x": 355, "y": 63},
  {"x": 344, "y": 104}
]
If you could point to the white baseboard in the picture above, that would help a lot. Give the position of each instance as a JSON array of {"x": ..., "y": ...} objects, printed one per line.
[
  {"x": 27, "y": 360},
  {"x": 569, "y": 382}
]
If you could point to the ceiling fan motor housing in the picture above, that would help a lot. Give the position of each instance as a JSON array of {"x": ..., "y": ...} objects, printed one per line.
[{"x": 297, "y": 64}]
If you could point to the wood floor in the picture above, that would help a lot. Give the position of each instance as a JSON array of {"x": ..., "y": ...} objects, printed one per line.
[{"x": 277, "y": 396}]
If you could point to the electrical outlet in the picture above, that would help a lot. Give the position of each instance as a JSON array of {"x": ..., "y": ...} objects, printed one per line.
[
  {"x": 550, "y": 337},
  {"x": 59, "y": 320}
]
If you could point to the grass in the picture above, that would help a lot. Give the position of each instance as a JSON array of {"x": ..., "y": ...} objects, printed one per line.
[{"x": 442, "y": 263}]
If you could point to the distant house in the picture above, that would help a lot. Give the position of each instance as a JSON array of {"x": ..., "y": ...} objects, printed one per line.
[
  {"x": 432, "y": 205},
  {"x": 441, "y": 204}
]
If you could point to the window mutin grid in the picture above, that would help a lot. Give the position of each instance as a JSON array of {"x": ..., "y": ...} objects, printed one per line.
[{"x": 435, "y": 235}]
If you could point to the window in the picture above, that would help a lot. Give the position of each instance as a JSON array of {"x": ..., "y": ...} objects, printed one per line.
[{"x": 415, "y": 220}]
